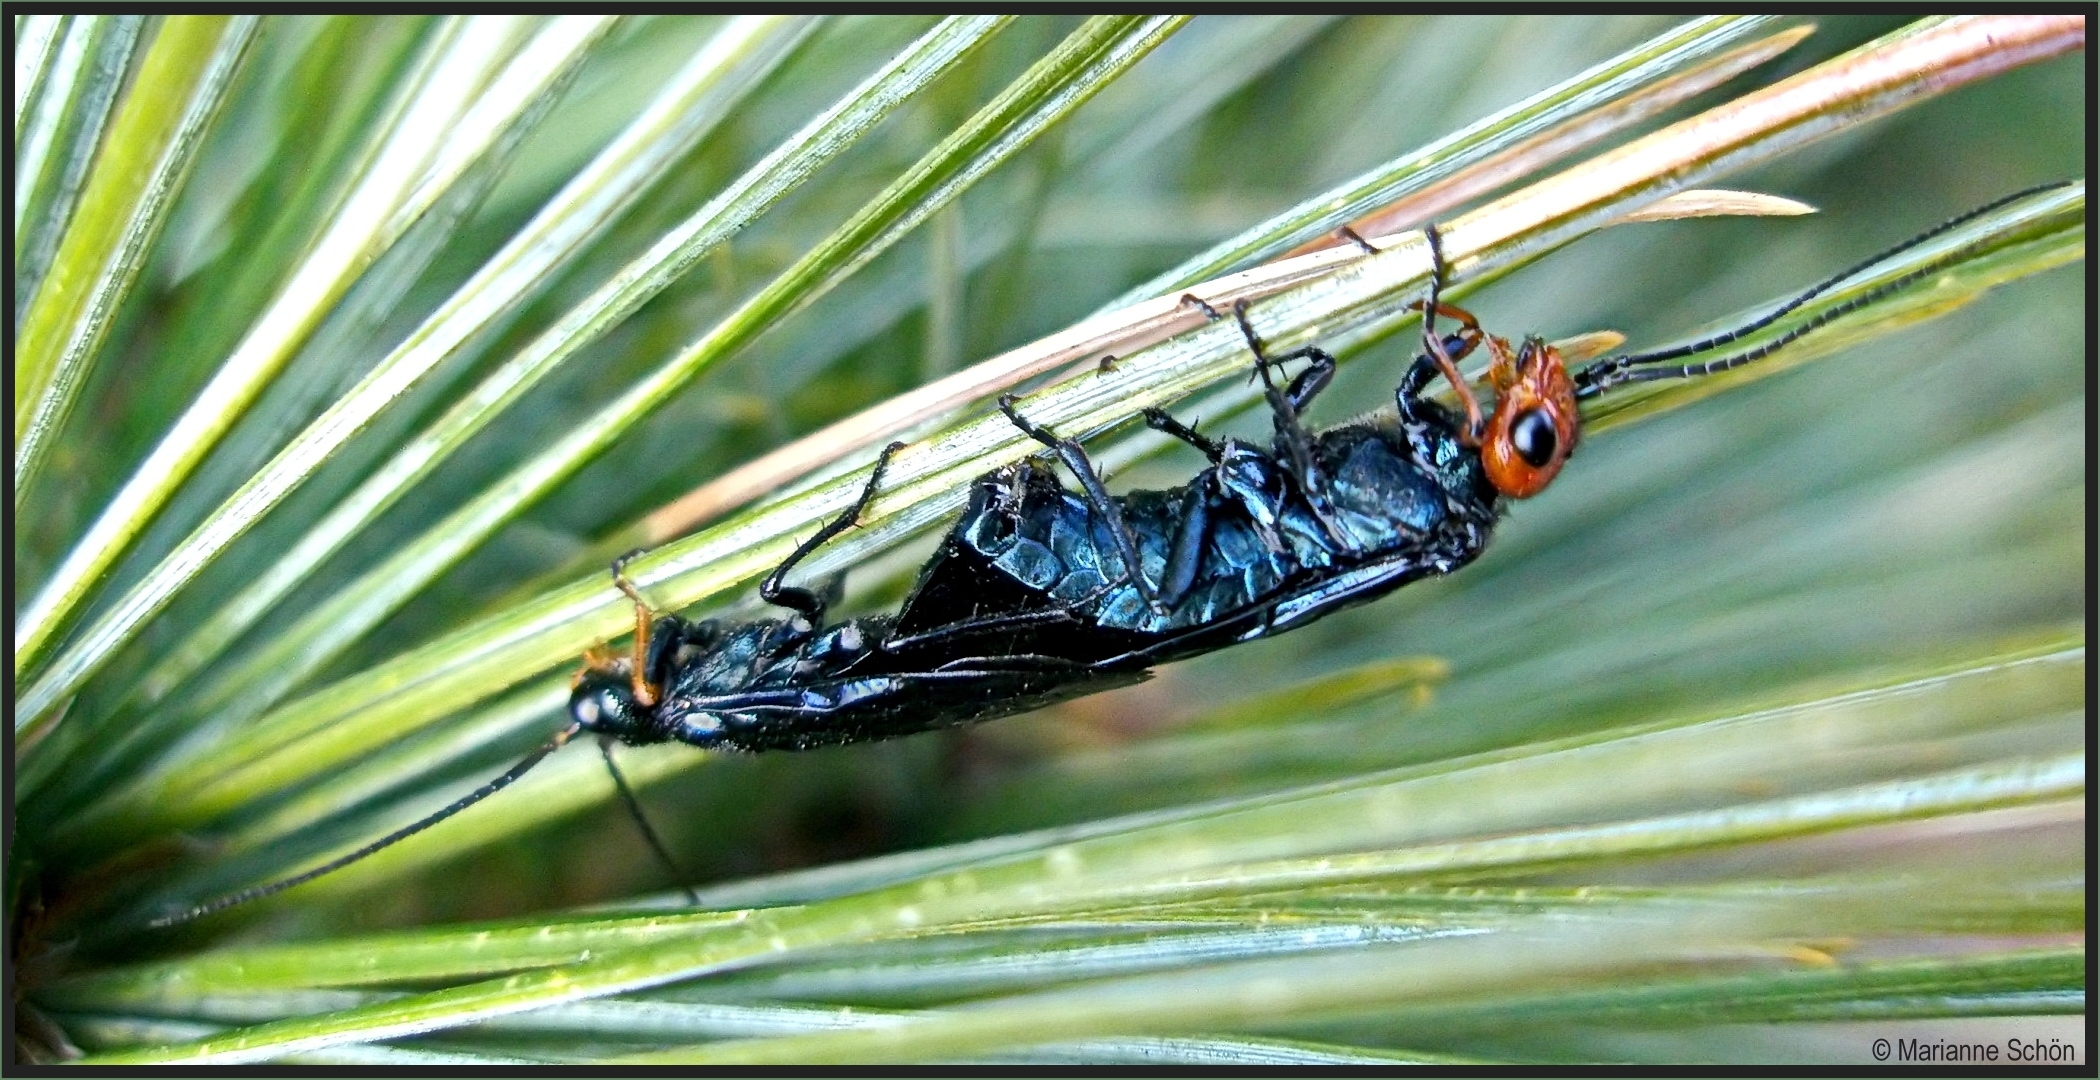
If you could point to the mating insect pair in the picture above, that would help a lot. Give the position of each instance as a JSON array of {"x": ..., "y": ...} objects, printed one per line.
[{"x": 1039, "y": 593}]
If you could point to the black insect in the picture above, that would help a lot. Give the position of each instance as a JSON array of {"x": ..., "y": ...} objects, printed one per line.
[
  {"x": 797, "y": 683},
  {"x": 792, "y": 683},
  {"x": 1040, "y": 593},
  {"x": 1268, "y": 539},
  {"x": 1263, "y": 540}
]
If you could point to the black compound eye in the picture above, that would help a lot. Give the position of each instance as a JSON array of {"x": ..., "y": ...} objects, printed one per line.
[{"x": 1533, "y": 438}]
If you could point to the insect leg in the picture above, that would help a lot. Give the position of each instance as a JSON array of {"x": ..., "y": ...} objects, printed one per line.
[
  {"x": 1193, "y": 529},
  {"x": 641, "y": 820},
  {"x": 1318, "y": 373},
  {"x": 1097, "y": 497},
  {"x": 1191, "y": 536},
  {"x": 1309, "y": 382},
  {"x": 1160, "y": 420},
  {"x": 1433, "y": 345},
  {"x": 1297, "y": 443},
  {"x": 646, "y": 690},
  {"x": 1418, "y": 412},
  {"x": 804, "y": 601},
  {"x": 1289, "y": 431},
  {"x": 1202, "y": 305},
  {"x": 1344, "y": 232}
]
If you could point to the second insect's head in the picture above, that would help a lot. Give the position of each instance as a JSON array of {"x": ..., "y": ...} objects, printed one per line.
[{"x": 602, "y": 701}]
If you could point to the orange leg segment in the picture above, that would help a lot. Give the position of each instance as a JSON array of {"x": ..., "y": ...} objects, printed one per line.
[
  {"x": 645, "y": 692},
  {"x": 1471, "y": 331}
]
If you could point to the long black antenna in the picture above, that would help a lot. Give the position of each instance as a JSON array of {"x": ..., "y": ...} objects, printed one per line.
[
  {"x": 1619, "y": 370},
  {"x": 470, "y": 798}
]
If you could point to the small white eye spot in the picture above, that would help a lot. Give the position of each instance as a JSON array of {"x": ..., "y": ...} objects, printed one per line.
[{"x": 586, "y": 710}]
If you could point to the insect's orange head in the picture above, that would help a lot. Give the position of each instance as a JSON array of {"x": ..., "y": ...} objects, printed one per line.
[{"x": 1535, "y": 424}]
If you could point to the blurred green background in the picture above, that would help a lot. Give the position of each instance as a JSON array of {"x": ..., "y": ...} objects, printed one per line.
[{"x": 1906, "y": 503}]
